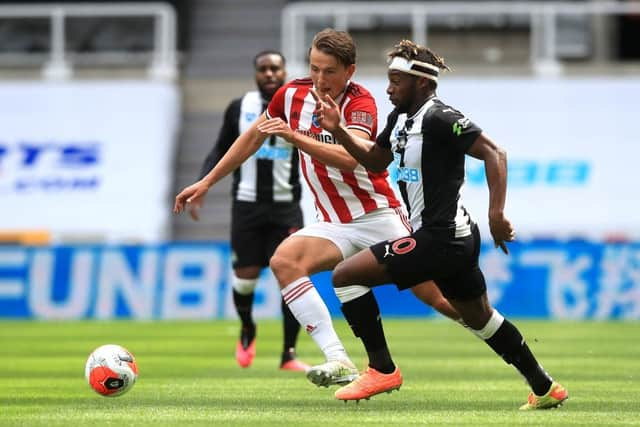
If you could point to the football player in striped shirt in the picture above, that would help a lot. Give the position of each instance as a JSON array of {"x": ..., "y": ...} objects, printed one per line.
[{"x": 356, "y": 207}]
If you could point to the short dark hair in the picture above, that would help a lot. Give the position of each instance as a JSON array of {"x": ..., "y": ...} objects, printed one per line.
[
  {"x": 268, "y": 52},
  {"x": 338, "y": 44},
  {"x": 409, "y": 50}
]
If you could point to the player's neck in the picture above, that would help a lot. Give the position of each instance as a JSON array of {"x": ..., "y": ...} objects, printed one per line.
[{"x": 419, "y": 103}]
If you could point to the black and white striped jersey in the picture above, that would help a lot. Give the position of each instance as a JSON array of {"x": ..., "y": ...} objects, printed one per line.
[
  {"x": 429, "y": 150},
  {"x": 272, "y": 174}
]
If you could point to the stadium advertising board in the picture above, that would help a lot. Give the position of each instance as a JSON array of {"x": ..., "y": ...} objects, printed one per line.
[
  {"x": 540, "y": 279},
  {"x": 88, "y": 158}
]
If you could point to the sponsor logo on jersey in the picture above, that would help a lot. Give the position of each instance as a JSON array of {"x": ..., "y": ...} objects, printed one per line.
[
  {"x": 269, "y": 152},
  {"x": 460, "y": 125},
  {"x": 408, "y": 174},
  {"x": 322, "y": 137}
]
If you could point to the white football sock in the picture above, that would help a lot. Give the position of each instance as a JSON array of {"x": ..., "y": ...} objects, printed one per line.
[{"x": 307, "y": 306}]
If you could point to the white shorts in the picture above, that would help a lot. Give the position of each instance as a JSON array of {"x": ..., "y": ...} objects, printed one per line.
[{"x": 369, "y": 229}]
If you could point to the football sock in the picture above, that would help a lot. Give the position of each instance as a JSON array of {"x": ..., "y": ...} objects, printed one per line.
[
  {"x": 244, "y": 305},
  {"x": 505, "y": 339},
  {"x": 307, "y": 306},
  {"x": 291, "y": 328},
  {"x": 247, "y": 334},
  {"x": 243, "y": 299},
  {"x": 287, "y": 355},
  {"x": 363, "y": 316}
]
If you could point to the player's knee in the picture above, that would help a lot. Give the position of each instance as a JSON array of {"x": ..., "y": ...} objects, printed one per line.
[
  {"x": 280, "y": 264},
  {"x": 340, "y": 276}
]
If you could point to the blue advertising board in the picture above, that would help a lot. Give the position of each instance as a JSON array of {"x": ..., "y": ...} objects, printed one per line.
[{"x": 539, "y": 279}]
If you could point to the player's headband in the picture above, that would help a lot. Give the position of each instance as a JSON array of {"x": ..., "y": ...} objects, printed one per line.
[{"x": 417, "y": 68}]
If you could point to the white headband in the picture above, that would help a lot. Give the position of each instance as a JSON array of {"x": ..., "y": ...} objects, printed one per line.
[{"x": 417, "y": 68}]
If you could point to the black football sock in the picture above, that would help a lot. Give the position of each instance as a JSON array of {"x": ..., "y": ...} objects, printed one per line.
[
  {"x": 510, "y": 345},
  {"x": 363, "y": 316},
  {"x": 291, "y": 328},
  {"x": 244, "y": 306}
]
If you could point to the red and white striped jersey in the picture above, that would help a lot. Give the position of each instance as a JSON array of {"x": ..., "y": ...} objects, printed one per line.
[{"x": 340, "y": 196}]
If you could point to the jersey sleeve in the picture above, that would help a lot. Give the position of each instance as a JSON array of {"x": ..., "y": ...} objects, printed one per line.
[
  {"x": 275, "y": 108},
  {"x": 229, "y": 132},
  {"x": 384, "y": 139},
  {"x": 361, "y": 114},
  {"x": 450, "y": 126}
]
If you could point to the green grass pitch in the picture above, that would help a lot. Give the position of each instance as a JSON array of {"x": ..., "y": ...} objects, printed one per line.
[{"x": 188, "y": 376}]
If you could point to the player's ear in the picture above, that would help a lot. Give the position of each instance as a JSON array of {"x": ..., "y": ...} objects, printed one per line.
[
  {"x": 424, "y": 83},
  {"x": 351, "y": 69}
]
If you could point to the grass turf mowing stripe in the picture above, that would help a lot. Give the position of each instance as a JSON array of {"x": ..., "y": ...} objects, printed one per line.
[{"x": 188, "y": 376}]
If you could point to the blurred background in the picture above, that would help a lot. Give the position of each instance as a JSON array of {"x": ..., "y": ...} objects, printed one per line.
[{"x": 107, "y": 110}]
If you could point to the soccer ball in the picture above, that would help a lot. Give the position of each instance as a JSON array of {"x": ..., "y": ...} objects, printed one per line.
[{"x": 111, "y": 370}]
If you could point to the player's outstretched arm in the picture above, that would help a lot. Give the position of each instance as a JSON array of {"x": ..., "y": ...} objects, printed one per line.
[
  {"x": 366, "y": 152},
  {"x": 244, "y": 146},
  {"x": 495, "y": 165},
  {"x": 228, "y": 133}
]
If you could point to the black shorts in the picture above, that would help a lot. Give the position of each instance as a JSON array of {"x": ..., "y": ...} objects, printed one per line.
[
  {"x": 436, "y": 255},
  {"x": 258, "y": 228}
]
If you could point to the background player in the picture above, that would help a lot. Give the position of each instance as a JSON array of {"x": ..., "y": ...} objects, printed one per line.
[{"x": 265, "y": 209}]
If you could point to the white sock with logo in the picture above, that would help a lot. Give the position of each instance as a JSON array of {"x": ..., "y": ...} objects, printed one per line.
[{"x": 307, "y": 306}]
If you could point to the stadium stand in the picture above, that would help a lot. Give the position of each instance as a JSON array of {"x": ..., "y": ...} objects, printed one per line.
[
  {"x": 223, "y": 36},
  {"x": 217, "y": 38}
]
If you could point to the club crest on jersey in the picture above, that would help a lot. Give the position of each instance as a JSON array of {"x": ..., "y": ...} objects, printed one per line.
[
  {"x": 401, "y": 136},
  {"x": 314, "y": 121},
  {"x": 250, "y": 117}
]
